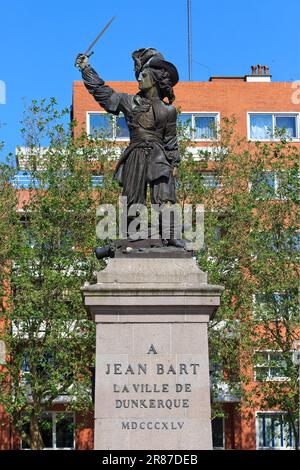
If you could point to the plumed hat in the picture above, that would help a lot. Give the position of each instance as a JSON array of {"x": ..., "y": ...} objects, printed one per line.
[{"x": 149, "y": 57}]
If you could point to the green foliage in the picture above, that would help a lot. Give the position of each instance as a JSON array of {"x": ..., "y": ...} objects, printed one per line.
[
  {"x": 46, "y": 256},
  {"x": 252, "y": 248}
]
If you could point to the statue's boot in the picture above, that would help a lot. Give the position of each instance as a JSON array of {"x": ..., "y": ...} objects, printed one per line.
[
  {"x": 171, "y": 225},
  {"x": 177, "y": 242}
]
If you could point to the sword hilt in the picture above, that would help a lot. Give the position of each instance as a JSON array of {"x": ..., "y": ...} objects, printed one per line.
[
  {"x": 89, "y": 55},
  {"x": 97, "y": 38}
]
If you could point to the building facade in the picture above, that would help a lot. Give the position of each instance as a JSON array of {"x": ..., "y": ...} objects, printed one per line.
[{"x": 259, "y": 106}]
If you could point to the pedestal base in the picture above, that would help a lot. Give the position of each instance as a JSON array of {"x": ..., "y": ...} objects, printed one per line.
[
  {"x": 152, "y": 386},
  {"x": 152, "y": 372}
]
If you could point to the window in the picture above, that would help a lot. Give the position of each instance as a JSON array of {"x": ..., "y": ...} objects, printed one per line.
[
  {"x": 97, "y": 181},
  {"x": 2, "y": 352},
  {"x": 57, "y": 429},
  {"x": 287, "y": 185},
  {"x": 261, "y": 126},
  {"x": 276, "y": 305},
  {"x": 25, "y": 180},
  {"x": 273, "y": 431},
  {"x": 263, "y": 184},
  {"x": 271, "y": 365},
  {"x": 283, "y": 243},
  {"x": 184, "y": 123},
  {"x": 269, "y": 126},
  {"x": 198, "y": 126},
  {"x": 100, "y": 125},
  {"x": 107, "y": 126},
  {"x": 218, "y": 433},
  {"x": 25, "y": 370},
  {"x": 204, "y": 127},
  {"x": 287, "y": 241},
  {"x": 210, "y": 180},
  {"x": 275, "y": 185},
  {"x": 44, "y": 364},
  {"x": 286, "y": 124},
  {"x": 122, "y": 131}
]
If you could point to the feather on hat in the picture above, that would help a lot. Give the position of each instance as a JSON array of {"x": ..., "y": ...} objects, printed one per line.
[{"x": 150, "y": 57}]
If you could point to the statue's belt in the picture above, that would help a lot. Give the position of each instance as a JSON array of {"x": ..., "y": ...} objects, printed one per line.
[{"x": 139, "y": 143}]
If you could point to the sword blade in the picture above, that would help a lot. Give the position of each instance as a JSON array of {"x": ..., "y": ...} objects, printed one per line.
[{"x": 99, "y": 36}]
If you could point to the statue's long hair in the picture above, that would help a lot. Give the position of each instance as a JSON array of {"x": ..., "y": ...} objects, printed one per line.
[{"x": 164, "y": 84}]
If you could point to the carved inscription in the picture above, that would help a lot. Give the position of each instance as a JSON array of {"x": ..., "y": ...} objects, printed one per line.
[
  {"x": 165, "y": 396},
  {"x": 140, "y": 369}
]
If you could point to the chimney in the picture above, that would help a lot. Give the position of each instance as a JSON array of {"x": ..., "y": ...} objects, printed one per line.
[{"x": 259, "y": 73}]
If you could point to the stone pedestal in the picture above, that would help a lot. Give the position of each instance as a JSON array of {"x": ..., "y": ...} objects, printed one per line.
[{"x": 152, "y": 374}]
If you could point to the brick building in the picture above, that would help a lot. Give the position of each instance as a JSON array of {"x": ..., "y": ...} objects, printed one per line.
[
  {"x": 255, "y": 101},
  {"x": 259, "y": 105}
]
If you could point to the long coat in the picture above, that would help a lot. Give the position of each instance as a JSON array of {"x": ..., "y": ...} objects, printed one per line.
[{"x": 153, "y": 149}]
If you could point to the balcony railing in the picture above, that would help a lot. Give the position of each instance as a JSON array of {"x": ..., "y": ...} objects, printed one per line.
[{"x": 24, "y": 180}]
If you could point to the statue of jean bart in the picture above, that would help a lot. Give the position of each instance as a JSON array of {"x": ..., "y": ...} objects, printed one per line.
[{"x": 152, "y": 156}]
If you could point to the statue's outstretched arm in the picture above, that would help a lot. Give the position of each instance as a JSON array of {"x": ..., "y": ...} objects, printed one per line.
[{"x": 103, "y": 94}]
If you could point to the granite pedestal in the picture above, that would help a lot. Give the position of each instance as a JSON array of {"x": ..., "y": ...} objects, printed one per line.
[{"x": 152, "y": 373}]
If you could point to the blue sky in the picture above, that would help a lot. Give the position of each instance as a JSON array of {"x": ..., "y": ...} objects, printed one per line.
[{"x": 41, "y": 39}]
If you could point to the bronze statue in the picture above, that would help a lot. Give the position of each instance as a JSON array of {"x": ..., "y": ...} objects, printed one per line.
[{"x": 152, "y": 156}]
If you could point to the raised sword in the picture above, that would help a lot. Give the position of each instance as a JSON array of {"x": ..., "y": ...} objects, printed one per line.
[{"x": 87, "y": 52}]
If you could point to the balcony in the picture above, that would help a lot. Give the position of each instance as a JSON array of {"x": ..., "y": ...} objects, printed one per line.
[{"x": 25, "y": 180}]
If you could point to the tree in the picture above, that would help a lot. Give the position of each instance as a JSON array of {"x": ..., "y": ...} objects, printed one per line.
[
  {"x": 250, "y": 191},
  {"x": 250, "y": 200},
  {"x": 48, "y": 255},
  {"x": 252, "y": 247}
]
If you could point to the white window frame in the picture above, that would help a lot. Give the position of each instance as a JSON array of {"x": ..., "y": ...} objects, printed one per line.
[
  {"x": 215, "y": 114},
  {"x": 275, "y": 114},
  {"x": 53, "y": 417},
  {"x": 114, "y": 126},
  {"x": 269, "y": 378},
  {"x": 270, "y": 412}
]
